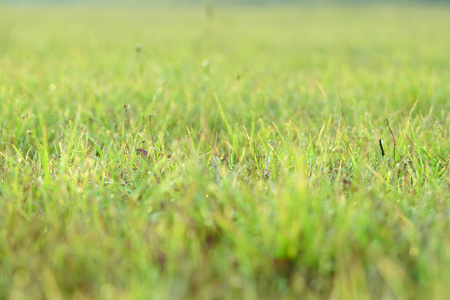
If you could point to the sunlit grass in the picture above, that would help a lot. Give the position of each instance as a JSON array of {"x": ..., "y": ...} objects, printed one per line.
[{"x": 149, "y": 154}]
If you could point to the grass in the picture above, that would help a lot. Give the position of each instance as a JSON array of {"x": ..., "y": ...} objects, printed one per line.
[{"x": 154, "y": 154}]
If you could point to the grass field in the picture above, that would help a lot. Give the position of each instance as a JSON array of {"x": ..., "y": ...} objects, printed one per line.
[{"x": 157, "y": 154}]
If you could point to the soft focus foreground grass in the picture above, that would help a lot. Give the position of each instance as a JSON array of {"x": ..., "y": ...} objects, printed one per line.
[{"x": 264, "y": 178}]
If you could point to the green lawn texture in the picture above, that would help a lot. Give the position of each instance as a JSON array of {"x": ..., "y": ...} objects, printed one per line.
[{"x": 162, "y": 154}]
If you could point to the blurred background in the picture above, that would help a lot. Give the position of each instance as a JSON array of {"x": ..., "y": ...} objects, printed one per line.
[
  {"x": 391, "y": 52},
  {"x": 223, "y": 2}
]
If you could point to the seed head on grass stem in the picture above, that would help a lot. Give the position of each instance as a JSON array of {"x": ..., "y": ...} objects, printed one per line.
[
  {"x": 150, "y": 123},
  {"x": 126, "y": 118},
  {"x": 383, "y": 153}
]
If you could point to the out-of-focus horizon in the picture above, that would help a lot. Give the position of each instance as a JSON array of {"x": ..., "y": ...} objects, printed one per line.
[{"x": 222, "y": 2}]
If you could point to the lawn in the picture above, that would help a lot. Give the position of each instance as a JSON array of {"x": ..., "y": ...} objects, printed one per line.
[{"x": 253, "y": 153}]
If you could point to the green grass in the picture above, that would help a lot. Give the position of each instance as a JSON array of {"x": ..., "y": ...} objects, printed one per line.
[{"x": 264, "y": 177}]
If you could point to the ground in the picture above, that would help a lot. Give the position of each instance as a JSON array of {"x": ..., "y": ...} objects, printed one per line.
[{"x": 259, "y": 153}]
